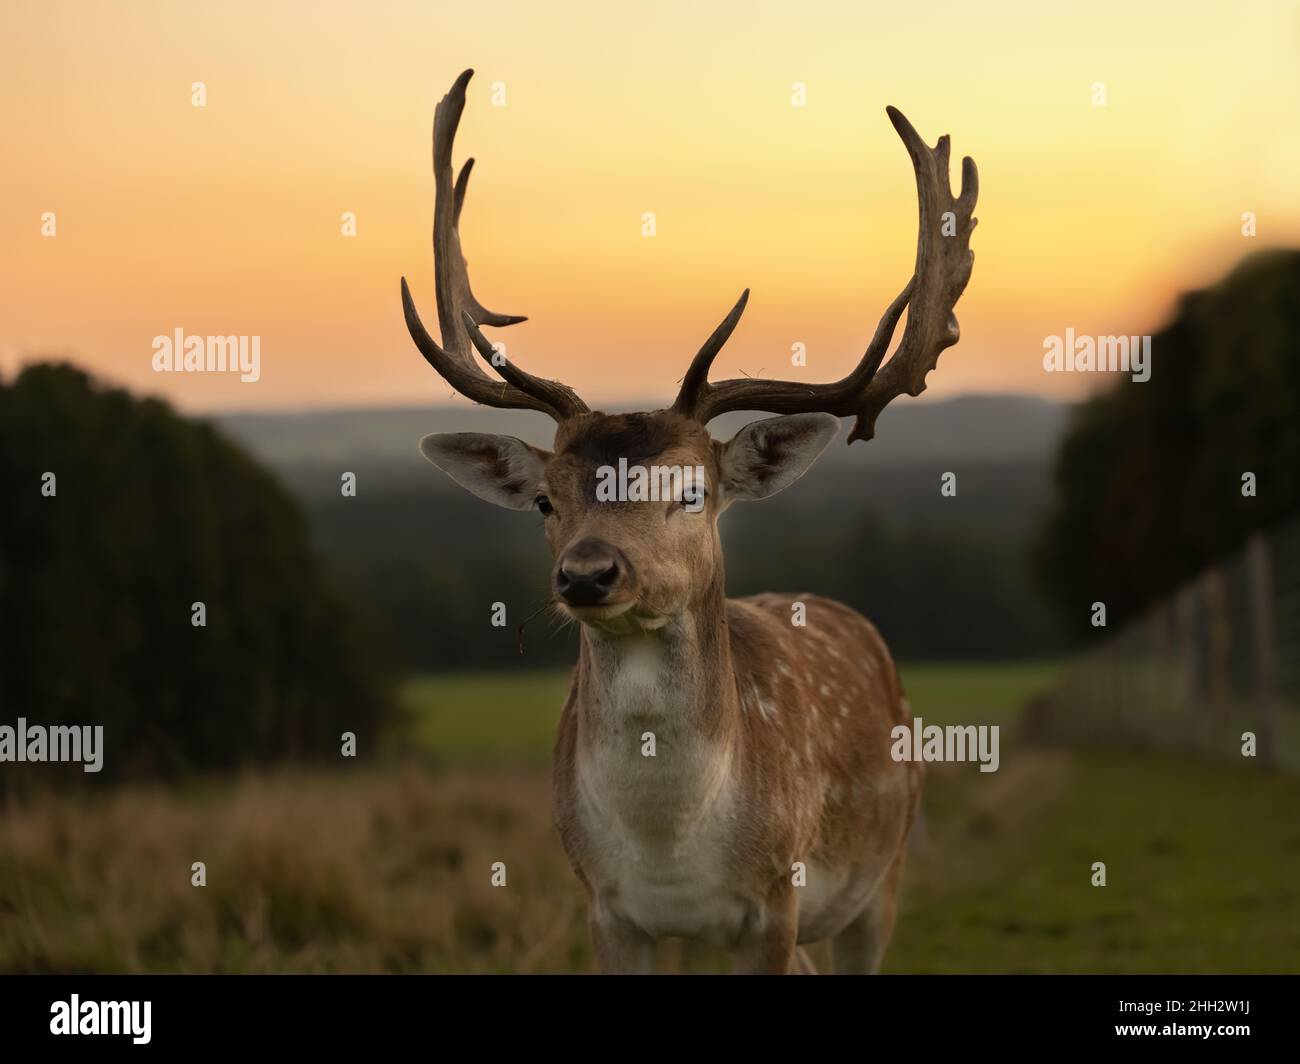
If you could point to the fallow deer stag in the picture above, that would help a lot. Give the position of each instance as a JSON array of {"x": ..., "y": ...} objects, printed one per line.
[{"x": 771, "y": 813}]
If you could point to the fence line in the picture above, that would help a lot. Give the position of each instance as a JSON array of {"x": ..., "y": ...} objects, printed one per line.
[{"x": 1218, "y": 658}]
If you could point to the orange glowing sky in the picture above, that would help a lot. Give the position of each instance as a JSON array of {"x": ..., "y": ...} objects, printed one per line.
[{"x": 226, "y": 219}]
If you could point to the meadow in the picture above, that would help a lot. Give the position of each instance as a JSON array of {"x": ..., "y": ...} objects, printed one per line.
[{"x": 385, "y": 866}]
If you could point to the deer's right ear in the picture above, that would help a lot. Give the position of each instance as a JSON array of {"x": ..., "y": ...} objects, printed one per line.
[{"x": 500, "y": 469}]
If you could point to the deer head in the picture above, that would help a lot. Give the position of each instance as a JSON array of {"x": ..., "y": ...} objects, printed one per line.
[{"x": 634, "y": 563}]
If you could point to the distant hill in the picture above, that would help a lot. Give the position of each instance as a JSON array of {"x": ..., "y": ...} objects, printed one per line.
[{"x": 976, "y": 429}]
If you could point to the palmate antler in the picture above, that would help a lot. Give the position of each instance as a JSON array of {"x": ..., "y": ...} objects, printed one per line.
[
  {"x": 459, "y": 313},
  {"x": 943, "y": 267}
]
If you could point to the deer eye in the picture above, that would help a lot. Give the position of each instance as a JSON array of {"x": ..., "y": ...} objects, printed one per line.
[
  {"x": 544, "y": 504},
  {"x": 692, "y": 500}
]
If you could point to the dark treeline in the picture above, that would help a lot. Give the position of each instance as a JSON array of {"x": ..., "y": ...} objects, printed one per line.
[
  {"x": 942, "y": 578},
  {"x": 1150, "y": 475},
  {"x": 147, "y": 514}
]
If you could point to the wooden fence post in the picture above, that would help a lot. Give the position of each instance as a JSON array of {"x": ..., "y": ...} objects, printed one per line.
[
  {"x": 1218, "y": 636},
  {"x": 1264, "y": 640}
]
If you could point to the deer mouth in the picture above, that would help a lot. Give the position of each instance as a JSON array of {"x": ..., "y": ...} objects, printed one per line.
[{"x": 617, "y": 618}]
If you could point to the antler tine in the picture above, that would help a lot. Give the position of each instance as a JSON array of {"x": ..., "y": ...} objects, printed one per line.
[
  {"x": 457, "y": 307},
  {"x": 943, "y": 267},
  {"x": 697, "y": 376},
  {"x": 559, "y": 397}
]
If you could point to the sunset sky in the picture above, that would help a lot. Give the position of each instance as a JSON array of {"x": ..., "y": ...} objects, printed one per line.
[{"x": 226, "y": 219}]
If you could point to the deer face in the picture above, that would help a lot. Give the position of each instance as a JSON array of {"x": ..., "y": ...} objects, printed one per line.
[{"x": 630, "y": 502}]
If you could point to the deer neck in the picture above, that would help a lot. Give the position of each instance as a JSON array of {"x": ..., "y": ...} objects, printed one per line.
[
  {"x": 678, "y": 675},
  {"x": 676, "y": 683}
]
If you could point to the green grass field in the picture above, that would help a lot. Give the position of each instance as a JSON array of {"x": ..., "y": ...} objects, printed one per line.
[
  {"x": 484, "y": 718},
  {"x": 385, "y": 866},
  {"x": 1202, "y": 866},
  {"x": 490, "y": 718}
]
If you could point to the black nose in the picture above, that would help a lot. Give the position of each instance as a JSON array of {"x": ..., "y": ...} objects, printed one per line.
[{"x": 588, "y": 573}]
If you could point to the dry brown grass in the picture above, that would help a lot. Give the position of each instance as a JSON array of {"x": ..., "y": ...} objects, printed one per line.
[{"x": 379, "y": 872}]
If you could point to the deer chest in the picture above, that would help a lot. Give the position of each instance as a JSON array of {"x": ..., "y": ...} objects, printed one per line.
[{"x": 657, "y": 838}]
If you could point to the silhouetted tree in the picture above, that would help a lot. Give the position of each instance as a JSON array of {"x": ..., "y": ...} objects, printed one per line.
[
  {"x": 153, "y": 513},
  {"x": 1149, "y": 477}
]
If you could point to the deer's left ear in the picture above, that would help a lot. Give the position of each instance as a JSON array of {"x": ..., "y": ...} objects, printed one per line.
[{"x": 766, "y": 456}]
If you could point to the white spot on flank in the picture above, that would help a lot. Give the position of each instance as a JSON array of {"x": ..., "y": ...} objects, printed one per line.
[{"x": 824, "y": 690}]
